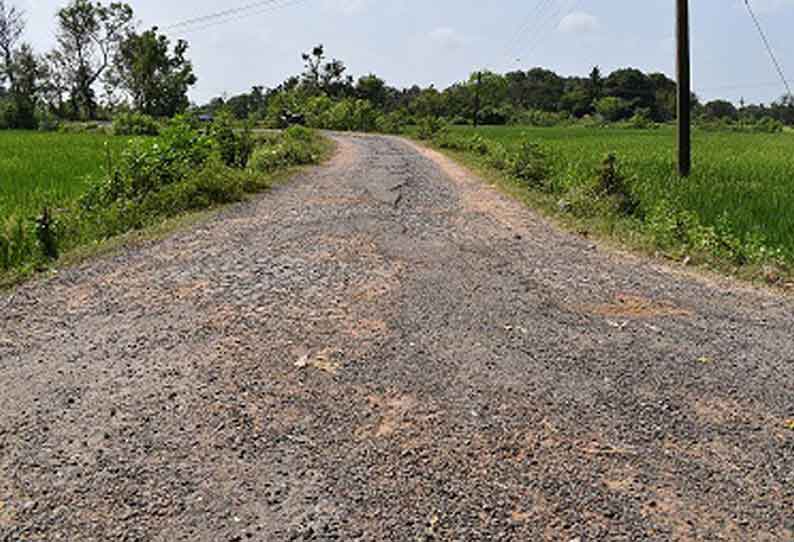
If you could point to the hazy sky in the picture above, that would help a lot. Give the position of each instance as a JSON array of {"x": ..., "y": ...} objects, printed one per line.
[{"x": 442, "y": 41}]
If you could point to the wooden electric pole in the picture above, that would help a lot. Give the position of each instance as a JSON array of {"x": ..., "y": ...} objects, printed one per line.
[
  {"x": 477, "y": 100},
  {"x": 684, "y": 91}
]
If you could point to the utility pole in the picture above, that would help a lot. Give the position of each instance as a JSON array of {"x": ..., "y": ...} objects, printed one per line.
[
  {"x": 684, "y": 91},
  {"x": 477, "y": 100}
]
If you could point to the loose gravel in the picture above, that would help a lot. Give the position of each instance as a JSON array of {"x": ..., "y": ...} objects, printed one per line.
[{"x": 388, "y": 349}]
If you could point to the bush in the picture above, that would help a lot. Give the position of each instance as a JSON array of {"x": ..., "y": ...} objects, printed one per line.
[
  {"x": 430, "y": 127},
  {"x": 497, "y": 157},
  {"x": 544, "y": 119},
  {"x": 612, "y": 184},
  {"x": 148, "y": 166},
  {"x": 391, "y": 123},
  {"x": 613, "y": 109},
  {"x": 135, "y": 124},
  {"x": 47, "y": 121},
  {"x": 296, "y": 146},
  {"x": 478, "y": 145},
  {"x": 234, "y": 146},
  {"x": 530, "y": 164},
  {"x": 641, "y": 120},
  {"x": 768, "y": 125},
  {"x": 351, "y": 115}
]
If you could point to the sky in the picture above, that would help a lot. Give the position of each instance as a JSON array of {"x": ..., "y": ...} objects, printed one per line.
[{"x": 441, "y": 41}]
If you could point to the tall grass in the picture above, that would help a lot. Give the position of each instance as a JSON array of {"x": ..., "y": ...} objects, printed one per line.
[
  {"x": 48, "y": 169},
  {"x": 741, "y": 183},
  {"x": 62, "y": 192}
]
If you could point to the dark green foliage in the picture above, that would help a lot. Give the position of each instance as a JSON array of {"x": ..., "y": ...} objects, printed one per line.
[
  {"x": 46, "y": 235},
  {"x": 135, "y": 124},
  {"x": 234, "y": 145},
  {"x": 391, "y": 123},
  {"x": 430, "y": 127},
  {"x": 88, "y": 36},
  {"x": 720, "y": 109},
  {"x": 184, "y": 169},
  {"x": 530, "y": 164},
  {"x": 612, "y": 184},
  {"x": 296, "y": 146},
  {"x": 155, "y": 77}
]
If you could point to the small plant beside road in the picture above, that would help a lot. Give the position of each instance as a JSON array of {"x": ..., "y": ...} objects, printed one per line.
[{"x": 186, "y": 168}]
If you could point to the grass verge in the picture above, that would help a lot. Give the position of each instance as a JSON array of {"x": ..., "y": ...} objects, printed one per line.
[
  {"x": 602, "y": 204},
  {"x": 134, "y": 204}
]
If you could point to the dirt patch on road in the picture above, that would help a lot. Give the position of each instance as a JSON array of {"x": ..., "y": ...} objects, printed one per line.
[{"x": 635, "y": 306}]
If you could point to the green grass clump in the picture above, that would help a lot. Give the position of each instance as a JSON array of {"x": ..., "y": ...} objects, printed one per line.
[
  {"x": 185, "y": 169},
  {"x": 737, "y": 207}
]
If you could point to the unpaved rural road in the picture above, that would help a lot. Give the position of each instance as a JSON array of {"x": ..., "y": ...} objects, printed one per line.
[{"x": 387, "y": 349}]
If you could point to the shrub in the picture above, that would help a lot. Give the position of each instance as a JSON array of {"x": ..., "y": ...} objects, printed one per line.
[
  {"x": 612, "y": 184},
  {"x": 351, "y": 115},
  {"x": 769, "y": 125},
  {"x": 233, "y": 146},
  {"x": 613, "y": 109},
  {"x": 135, "y": 124},
  {"x": 288, "y": 151},
  {"x": 430, "y": 127},
  {"x": 478, "y": 145},
  {"x": 47, "y": 121},
  {"x": 530, "y": 164},
  {"x": 497, "y": 157},
  {"x": 45, "y": 233},
  {"x": 391, "y": 123},
  {"x": 534, "y": 117},
  {"x": 641, "y": 120}
]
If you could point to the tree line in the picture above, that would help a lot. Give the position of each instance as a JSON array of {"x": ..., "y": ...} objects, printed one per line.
[
  {"x": 100, "y": 63},
  {"x": 535, "y": 96}
]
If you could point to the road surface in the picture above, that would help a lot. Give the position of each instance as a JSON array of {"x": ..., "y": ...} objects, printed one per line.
[{"x": 388, "y": 349}]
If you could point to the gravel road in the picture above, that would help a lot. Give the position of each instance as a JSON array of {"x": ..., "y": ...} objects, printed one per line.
[{"x": 388, "y": 349}]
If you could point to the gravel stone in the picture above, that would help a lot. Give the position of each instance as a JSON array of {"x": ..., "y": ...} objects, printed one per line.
[{"x": 387, "y": 349}]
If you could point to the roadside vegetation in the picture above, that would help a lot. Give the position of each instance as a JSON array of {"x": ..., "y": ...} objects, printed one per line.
[
  {"x": 121, "y": 146},
  {"x": 325, "y": 96},
  {"x": 186, "y": 168},
  {"x": 736, "y": 212}
]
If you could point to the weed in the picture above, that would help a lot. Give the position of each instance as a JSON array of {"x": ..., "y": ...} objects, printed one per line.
[{"x": 45, "y": 233}]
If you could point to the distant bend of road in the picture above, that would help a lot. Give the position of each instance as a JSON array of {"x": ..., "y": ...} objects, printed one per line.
[{"x": 388, "y": 349}]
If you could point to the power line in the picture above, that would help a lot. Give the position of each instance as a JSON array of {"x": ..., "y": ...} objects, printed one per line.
[
  {"x": 526, "y": 23},
  {"x": 272, "y": 6},
  {"x": 768, "y": 47},
  {"x": 555, "y": 19},
  {"x": 541, "y": 26},
  {"x": 218, "y": 14}
]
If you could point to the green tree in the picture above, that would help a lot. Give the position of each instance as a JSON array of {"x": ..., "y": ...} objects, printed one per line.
[
  {"x": 372, "y": 88},
  {"x": 631, "y": 86},
  {"x": 577, "y": 101},
  {"x": 721, "y": 109},
  {"x": 88, "y": 35},
  {"x": 613, "y": 109},
  {"x": 544, "y": 89},
  {"x": 324, "y": 76},
  {"x": 595, "y": 84},
  {"x": 12, "y": 25},
  {"x": 156, "y": 77},
  {"x": 665, "y": 97},
  {"x": 29, "y": 77}
]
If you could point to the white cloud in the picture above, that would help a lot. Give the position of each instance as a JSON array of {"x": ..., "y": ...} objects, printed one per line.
[
  {"x": 447, "y": 38},
  {"x": 579, "y": 22}
]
